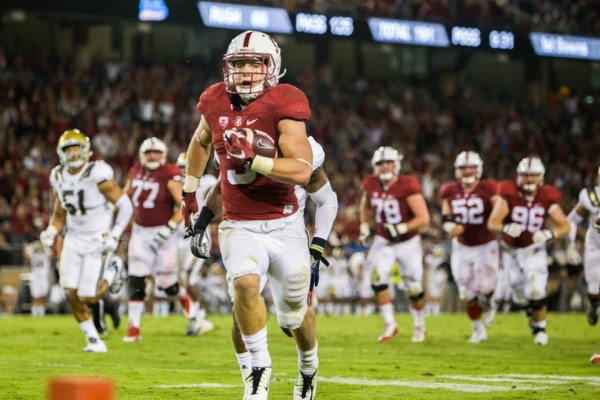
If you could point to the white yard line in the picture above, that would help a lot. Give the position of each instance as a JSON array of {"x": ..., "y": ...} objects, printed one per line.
[
  {"x": 522, "y": 378},
  {"x": 54, "y": 365}
]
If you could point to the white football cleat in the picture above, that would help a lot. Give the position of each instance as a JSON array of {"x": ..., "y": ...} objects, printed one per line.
[
  {"x": 540, "y": 338},
  {"x": 305, "y": 386},
  {"x": 246, "y": 371},
  {"x": 198, "y": 327},
  {"x": 388, "y": 333},
  {"x": 478, "y": 336},
  {"x": 595, "y": 359},
  {"x": 95, "y": 345},
  {"x": 257, "y": 384},
  {"x": 418, "y": 334},
  {"x": 489, "y": 317}
]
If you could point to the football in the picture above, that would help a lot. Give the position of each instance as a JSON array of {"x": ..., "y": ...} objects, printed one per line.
[{"x": 262, "y": 143}]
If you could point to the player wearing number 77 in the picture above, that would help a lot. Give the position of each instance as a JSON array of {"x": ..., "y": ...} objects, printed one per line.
[
  {"x": 466, "y": 207},
  {"x": 395, "y": 204},
  {"x": 520, "y": 215}
]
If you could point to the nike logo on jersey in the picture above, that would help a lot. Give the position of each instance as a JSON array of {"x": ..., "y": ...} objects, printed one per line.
[
  {"x": 251, "y": 121},
  {"x": 264, "y": 144}
]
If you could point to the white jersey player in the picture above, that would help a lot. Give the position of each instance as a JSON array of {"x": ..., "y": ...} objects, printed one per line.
[
  {"x": 39, "y": 258},
  {"x": 588, "y": 208},
  {"x": 190, "y": 266},
  {"x": 83, "y": 190}
]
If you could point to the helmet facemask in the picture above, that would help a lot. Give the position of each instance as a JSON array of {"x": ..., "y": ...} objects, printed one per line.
[
  {"x": 73, "y": 138},
  {"x": 251, "y": 65},
  {"x": 382, "y": 154},
  {"x": 464, "y": 160},
  {"x": 527, "y": 168},
  {"x": 152, "y": 144}
]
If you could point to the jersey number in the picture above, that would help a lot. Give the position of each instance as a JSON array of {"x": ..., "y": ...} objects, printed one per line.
[
  {"x": 468, "y": 211},
  {"x": 240, "y": 179},
  {"x": 151, "y": 187},
  {"x": 390, "y": 207},
  {"x": 71, "y": 206},
  {"x": 531, "y": 219}
]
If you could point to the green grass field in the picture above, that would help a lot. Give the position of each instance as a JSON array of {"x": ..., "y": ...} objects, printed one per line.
[{"x": 169, "y": 365}]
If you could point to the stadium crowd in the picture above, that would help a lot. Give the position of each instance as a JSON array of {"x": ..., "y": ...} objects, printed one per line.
[{"x": 114, "y": 104}]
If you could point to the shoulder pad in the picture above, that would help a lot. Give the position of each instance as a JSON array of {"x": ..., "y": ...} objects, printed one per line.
[{"x": 88, "y": 170}]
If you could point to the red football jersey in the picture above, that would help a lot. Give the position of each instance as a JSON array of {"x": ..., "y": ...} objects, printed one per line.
[
  {"x": 389, "y": 204},
  {"x": 153, "y": 204},
  {"x": 530, "y": 213},
  {"x": 471, "y": 210},
  {"x": 248, "y": 195}
]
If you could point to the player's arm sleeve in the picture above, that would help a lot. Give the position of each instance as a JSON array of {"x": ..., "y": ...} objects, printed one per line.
[
  {"x": 327, "y": 206},
  {"x": 124, "y": 214}
]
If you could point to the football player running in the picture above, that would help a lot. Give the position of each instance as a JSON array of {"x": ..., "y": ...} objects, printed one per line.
[
  {"x": 261, "y": 228},
  {"x": 320, "y": 191},
  {"x": 190, "y": 266},
  {"x": 82, "y": 191},
  {"x": 154, "y": 186},
  {"x": 466, "y": 207},
  {"x": 395, "y": 205},
  {"x": 588, "y": 208},
  {"x": 519, "y": 215}
]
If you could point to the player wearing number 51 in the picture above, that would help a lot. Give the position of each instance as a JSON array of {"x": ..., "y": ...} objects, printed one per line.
[
  {"x": 394, "y": 204},
  {"x": 82, "y": 191},
  {"x": 466, "y": 207},
  {"x": 520, "y": 215},
  {"x": 262, "y": 231}
]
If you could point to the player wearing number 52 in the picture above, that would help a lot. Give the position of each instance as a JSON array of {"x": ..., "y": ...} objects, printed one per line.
[
  {"x": 395, "y": 206},
  {"x": 520, "y": 215},
  {"x": 466, "y": 207},
  {"x": 82, "y": 191},
  {"x": 154, "y": 186}
]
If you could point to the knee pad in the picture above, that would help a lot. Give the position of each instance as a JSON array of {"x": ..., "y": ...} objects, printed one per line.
[
  {"x": 379, "y": 288},
  {"x": 537, "y": 304},
  {"x": 137, "y": 288},
  {"x": 414, "y": 290},
  {"x": 292, "y": 319},
  {"x": 172, "y": 290}
]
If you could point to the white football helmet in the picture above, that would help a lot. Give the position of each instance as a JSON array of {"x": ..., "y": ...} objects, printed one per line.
[
  {"x": 182, "y": 161},
  {"x": 257, "y": 46},
  {"x": 468, "y": 159},
  {"x": 152, "y": 144},
  {"x": 386, "y": 153},
  {"x": 69, "y": 138},
  {"x": 527, "y": 167}
]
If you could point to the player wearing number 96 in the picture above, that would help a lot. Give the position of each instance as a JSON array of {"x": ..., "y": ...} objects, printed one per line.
[
  {"x": 520, "y": 215},
  {"x": 261, "y": 231},
  {"x": 82, "y": 192},
  {"x": 466, "y": 207},
  {"x": 394, "y": 203}
]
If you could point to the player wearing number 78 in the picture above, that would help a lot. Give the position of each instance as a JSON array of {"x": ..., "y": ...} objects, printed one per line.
[
  {"x": 394, "y": 203},
  {"x": 466, "y": 207},
  {"x": 520, "y": 215}
]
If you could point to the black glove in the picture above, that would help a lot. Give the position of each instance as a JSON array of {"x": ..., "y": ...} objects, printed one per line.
[{"x": 316, "y": 255}]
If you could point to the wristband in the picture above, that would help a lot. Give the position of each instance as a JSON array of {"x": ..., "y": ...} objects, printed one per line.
[
  {"x": 262, "y": 165},
  {"x": 51, "y": 230},
  {"x": 365, "y": 228},
  {"x": 191, "y": 183},
  {"x": 172, "y": 224}
]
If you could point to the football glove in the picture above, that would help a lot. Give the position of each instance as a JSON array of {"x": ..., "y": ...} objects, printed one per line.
[
  {"x": 47, "y": 236},
  {"x": 189, "y": 207},
  {"x": 239, "y": 149},
  {"x": 573, "y": 256},
  {"x": 316, "y": 257},
  {"x": 365, "y": 234},
  {"x": 200, "y": 245},
  {"x": 163, "y": 234},
  {"x": 111, "y": 243},
  {"x": 396, "y": 230},
  {"x": 543, "y": 236},
  {"x": 513, "y": 229}
]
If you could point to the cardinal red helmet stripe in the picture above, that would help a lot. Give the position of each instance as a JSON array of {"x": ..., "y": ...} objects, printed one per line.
[{"x": 247, "y": 39}]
